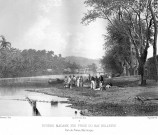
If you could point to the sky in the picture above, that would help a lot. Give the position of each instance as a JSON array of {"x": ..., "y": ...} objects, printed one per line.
[{"x": 51, "y": 25}]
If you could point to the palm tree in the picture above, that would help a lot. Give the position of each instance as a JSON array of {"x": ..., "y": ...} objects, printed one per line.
[{"x": 4, "y": 43}]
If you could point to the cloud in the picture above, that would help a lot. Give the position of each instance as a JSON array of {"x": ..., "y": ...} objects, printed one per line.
[
  {"x": 41, "y": 36},
  {"x": 56, "y": 41},
  {"x": 47, "y": 5},
  {"x": 17, "y": 16},
  {"x": 50, "y": 25},
  {"x": 76, "y": 45},
  {"x": 81, "y": 44},
  {"x": 36, "y": 33}
]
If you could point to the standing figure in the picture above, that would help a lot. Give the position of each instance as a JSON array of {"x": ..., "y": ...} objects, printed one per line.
[
  {"x": 89, "y": 78},
  {"x": 65, "y": 82},
  {"x": 78, "y": 81},
  {"x": 74, "y": 80},
  {"x": 81, "y": 81},
  {"x": 96, "y": 82},
  {"x": 92, "y": 82},
  {"x": 70, "y": 82},
  {"x": 101, "y": 82}
]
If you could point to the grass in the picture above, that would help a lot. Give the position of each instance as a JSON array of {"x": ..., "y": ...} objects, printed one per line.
[
  {"x": 123, "y": 82},
  {"x": 121, "y": 108}
]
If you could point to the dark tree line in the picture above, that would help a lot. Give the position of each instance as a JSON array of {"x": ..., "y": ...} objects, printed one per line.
[{"x": 17, "y": 63}]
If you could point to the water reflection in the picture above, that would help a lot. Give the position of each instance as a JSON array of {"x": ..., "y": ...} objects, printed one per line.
[
  {"x": 34, "y": 108},
  {"x": 54, "y": 103},
  {"x": 35, "y": 111}
]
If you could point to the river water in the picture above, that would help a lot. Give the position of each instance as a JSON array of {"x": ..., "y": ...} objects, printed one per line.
[{"x": 13, "y": 102}]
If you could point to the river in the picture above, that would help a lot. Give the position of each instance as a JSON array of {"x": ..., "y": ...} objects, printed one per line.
[{"x": 13, "y": 102}]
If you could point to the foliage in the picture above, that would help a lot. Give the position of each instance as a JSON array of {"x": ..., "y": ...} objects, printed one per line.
[
  {"x": 135, "y": 17},
  {"x": 93, "y": 67},
  {"x": 4, "y": 44},
  {"x": 17, "y": 63},
  {"x": 117, "y": 47},
  {"x": 111, "y": 63},
  {"x": 151, "y": 68}
]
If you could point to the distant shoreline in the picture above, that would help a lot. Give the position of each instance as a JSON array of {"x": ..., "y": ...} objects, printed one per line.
[{"x": 33, "y": 80}]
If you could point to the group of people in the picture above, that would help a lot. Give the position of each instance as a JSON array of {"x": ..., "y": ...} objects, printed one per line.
[
  {"x": 71, "y": 81},
  {"x": 97, "y": 82}
]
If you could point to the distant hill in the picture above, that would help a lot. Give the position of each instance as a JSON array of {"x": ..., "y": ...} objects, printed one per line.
[{"x": 82, "y": 61}]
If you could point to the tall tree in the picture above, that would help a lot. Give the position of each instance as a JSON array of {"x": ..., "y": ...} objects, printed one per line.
[
  {"x": 153, "y": 5},
  {"x": 118, "y": 49},
  {"x": 135, "y": 18},
  {"x": 111, "y": 63},
  {"x": 4, "y": 43}
]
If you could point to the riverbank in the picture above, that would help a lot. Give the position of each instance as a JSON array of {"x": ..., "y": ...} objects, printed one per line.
[{"x": 119, "y": 100}]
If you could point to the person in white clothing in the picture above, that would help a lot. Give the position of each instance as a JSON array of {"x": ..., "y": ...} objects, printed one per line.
[
  {"x": 70, "y": 82},
  {"x": 92, "y": 83},
  {"x": 78, "y": 81}
]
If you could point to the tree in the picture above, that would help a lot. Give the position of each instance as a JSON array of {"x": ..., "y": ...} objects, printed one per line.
[
  {"x": 151, "y": 67},
  {"x": 135, "y": 18},
  {"x": 51, "y": 53},
  {"x": 17, "y": 63},
  {"x": 93, "y": 67},
  {"x": 60, "y": 55},
  {"x": 4, "y": 43},
  {"x": 11, "y": 63},
  {"x": 111, "y": 64},
  {"x": 155, "y": 20},
  {"x": 118, "y": 50}
]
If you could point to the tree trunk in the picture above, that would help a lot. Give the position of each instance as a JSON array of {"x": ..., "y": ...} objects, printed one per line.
[
  {"x": 155, "y": 42},
  {"x": 141, "y": 73},
  {"x": 155, "y": 49},
  {"x": 142, "y": 61},
  {"x": 155, "y": 68}
]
